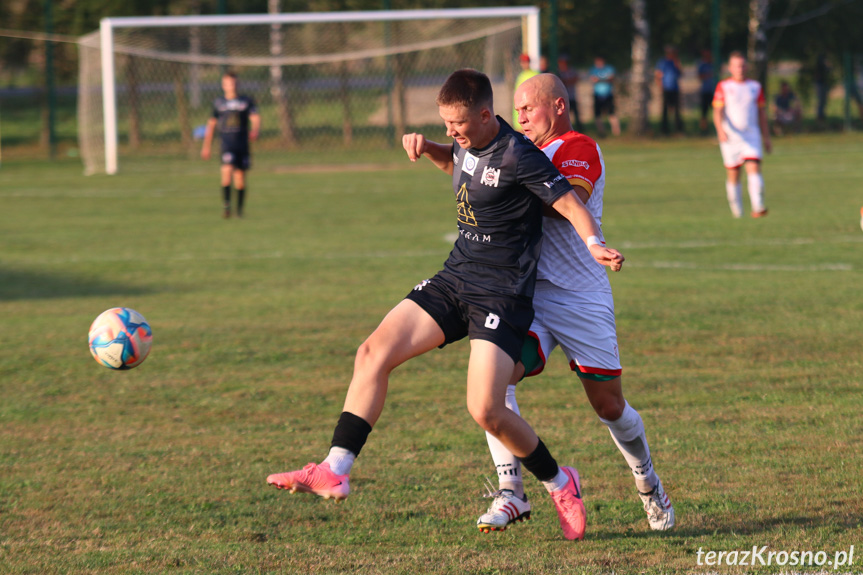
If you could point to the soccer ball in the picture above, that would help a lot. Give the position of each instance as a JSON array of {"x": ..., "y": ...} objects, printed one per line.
[{"x": 120, "y": 338}]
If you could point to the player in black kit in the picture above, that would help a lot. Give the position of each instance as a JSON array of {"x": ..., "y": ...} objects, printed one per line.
[
  {"x": 501, "y": 181},
  {"x": 239, "y": 122}
]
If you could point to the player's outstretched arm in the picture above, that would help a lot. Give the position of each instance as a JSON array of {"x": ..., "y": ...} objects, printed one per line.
[
  {"x": 572, "y": 208},
  {"x": 416, "y": 146},
  {"x": 208, "y": 138}
]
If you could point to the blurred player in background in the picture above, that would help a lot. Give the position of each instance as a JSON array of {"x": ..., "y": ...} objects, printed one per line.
[
  {"x": 484, "y": 292},
  {"x": 239, "y": 123},
  {"x": 573, "y": 308},
  {"x": 740, "y": 119}
]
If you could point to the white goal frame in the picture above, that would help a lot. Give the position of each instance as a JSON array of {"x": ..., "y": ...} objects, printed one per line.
[{"x": 529, "y": 15}]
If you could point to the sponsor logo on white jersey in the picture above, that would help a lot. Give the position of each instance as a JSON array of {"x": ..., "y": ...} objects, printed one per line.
[
  {"x": 490, "y": 176},
  {"x": 470, "y": 163}
]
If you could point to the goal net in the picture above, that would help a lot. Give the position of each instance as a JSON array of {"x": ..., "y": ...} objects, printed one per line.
[{"x": 320, "y": 80}]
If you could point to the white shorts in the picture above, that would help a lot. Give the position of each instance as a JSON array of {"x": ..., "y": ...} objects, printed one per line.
[
  {"x": 740, "y": 147},
  {"x": 581, "y": 323}
]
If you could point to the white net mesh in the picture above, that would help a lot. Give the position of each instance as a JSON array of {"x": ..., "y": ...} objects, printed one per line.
[{"x": 317, "y": 85}]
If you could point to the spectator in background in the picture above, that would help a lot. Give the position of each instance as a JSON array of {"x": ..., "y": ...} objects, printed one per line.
[
  {"x": 822, "y": 86},
  {"x": 854, "y": 90},
  {"x": 668, "y": 77},
  {"x": 602, "y": 77},
  {"x": 787, "y": 112},
  {"x": 525, "y": 73},
  {"x": 569, "y": 77},
  {"x": 707, "y": 76},
  {"x": 543, "y": 65}
]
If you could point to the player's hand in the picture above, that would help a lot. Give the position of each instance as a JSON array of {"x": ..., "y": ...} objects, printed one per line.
[
  {"x": 607, "y": 256},
  {"x": 205, "y": 153},
  {"x": 253, "y": 135},
  {"x": 723, "y": 137},
  {"x": 414, "y": 144}
]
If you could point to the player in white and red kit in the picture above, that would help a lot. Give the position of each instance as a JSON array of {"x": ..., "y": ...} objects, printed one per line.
[
  {"x": 740, "y": 118},
  {"x": 574, "y": 309}
]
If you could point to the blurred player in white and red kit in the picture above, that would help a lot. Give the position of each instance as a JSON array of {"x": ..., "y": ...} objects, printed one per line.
[
  {"x": 740, "y": 117},
  {"x": 574, "y": 309}
]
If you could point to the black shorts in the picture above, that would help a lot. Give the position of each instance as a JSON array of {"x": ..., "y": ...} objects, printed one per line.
[
  {"x": 240, "y": 159},
  {"x": 603, "y": 103},
  {"x": 500, "y": 319}
]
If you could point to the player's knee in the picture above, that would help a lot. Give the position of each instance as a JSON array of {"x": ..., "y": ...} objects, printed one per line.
[
  {"x": 372, "y": 357},
  {"x": 486, "y": 416},
  {"x": 610, "y": 409}
]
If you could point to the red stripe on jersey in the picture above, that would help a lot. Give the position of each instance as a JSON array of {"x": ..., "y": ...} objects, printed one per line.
[{"x": 596, "y": 370}]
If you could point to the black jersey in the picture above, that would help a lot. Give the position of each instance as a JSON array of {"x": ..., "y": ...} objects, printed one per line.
[
  {"x": 233, "y": 116},
  {"x": 499, "y": 192}
]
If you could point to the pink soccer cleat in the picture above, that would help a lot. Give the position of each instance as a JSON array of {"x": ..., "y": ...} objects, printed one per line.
[
  {"x": 313, "y": 478},
  {"x": 570, "y": 507}
]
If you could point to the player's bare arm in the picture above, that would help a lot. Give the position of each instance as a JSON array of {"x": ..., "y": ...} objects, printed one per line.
[
  {"x": 765, "y": 131},
  {"x": 255, "y": 121},
  {"x": 417, "y": 146},
  {"x": 208, "y": 138},
  {"x": 570, "y": 207},
  {"x": 717, "y": 123}
]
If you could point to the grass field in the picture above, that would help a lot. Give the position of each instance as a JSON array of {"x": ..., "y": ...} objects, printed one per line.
[{"x": 741, "y": 343}]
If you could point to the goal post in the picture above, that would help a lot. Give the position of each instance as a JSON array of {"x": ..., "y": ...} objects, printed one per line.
[{"x": 321, "y": 79}]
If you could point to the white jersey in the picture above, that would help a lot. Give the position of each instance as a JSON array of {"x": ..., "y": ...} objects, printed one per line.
[
  {"x": 565, "y": 260},
  {"x": 740, "y": 103}
]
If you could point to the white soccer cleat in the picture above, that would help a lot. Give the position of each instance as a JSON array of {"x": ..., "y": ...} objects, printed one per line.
[
  {"x": 660, "y": 513},
  {"x": 507, "y": 508}
]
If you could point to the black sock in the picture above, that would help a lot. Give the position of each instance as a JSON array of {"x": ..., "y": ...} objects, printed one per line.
[
  {"x": 351, "y": 432},
  {"x": 226, "y": 195},
  {"x": 241, "y": 198},
  {"x": 540, "y": 463}
]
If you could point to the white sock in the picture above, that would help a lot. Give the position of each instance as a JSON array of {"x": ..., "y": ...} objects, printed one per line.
[
  {"x": 507, "y": 465},
  {"x": 628, "y": 433},
  {"x": 341, "y": 460},
  {"x": 755, "y": 184},
  {"x": 559, "y": 482},
  {"x": 735, "y": 199}
]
